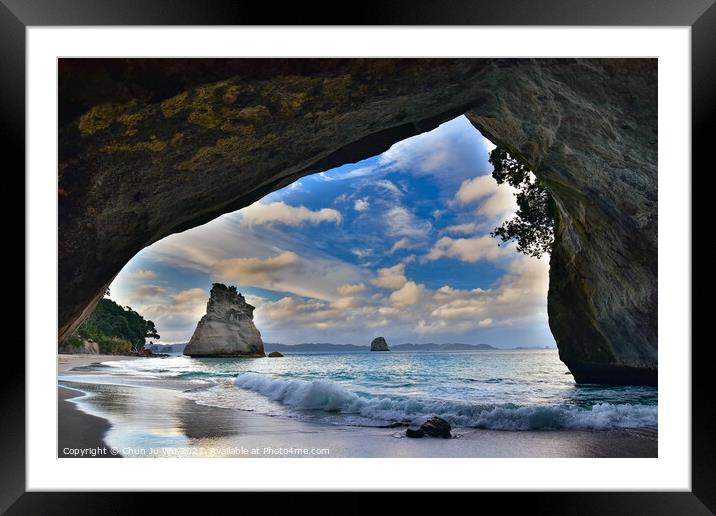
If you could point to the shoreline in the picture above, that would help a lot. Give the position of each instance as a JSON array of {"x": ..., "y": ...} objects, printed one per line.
[
  {"x": 67, "y": 361},
  {"x": 77, "y": 430},
  {"x": 136, "y": 417}
]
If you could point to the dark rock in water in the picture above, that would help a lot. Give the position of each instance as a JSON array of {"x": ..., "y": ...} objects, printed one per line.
[
  {"x": 275, "y": 354},
  {"x": 379, "y": 344},
  {"x": 414, "y": 431},
  {"x": 437, "y": 427},
  {"x": 227, "y": 329}
]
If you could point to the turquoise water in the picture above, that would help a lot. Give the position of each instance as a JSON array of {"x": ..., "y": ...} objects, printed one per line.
[{"x": 502, "y": 390}]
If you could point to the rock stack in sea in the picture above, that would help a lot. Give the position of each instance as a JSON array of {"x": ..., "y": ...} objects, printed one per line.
[
  {"x": 227, "y": 329},
  {"x": 379, "y": 344}
]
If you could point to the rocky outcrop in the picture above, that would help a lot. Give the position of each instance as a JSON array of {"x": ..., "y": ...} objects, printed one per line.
[
  {"x": 152, "y": 147},
  {"x": 275, "y": 354},
  {"x": 432, "y": 427},
  {"x": 227, "y": 329},
  {"x": 379, "y": 344},
  {"x": 77, "y": 345}
]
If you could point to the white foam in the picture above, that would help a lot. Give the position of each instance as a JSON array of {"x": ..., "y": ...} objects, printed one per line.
[{"x": 329, "y": 396}]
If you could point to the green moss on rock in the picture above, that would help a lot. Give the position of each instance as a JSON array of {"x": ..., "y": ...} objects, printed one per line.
[
  {"x": 229, "y": 149},
  {"x": 337, "y": 89},
  {"x": 254, "y": 114},
  {"x": 102, "y": 116},
  {"x": 131, "y": 121},
  {"x": 175, "y": 105},
  {"x": 144, "y": 146}
]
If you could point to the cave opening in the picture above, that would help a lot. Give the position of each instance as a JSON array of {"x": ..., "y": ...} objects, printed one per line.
[
  {"x": 397, "y": 244},
  {"x": 152, "y": 150}
]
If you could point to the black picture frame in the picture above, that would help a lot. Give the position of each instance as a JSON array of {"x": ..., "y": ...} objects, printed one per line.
[{"x": 700, "y": 15}]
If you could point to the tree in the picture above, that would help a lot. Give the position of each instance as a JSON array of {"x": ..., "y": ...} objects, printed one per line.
[
  {"x": 116, "y": 328},
  {"x": 532, "y": 227},
  {"x": 151, "y": 331}
]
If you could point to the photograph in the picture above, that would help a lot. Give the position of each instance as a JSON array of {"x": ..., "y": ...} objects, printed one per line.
[
  {"x": 356, "y": 257},
  {"x": 408, "y": 247}
]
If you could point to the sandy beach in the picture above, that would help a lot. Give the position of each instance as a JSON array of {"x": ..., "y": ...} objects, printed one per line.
[
  {"x": 158, "y": 421},
  {"x": 67, "y": 362},
  {"x": 77, "y": 429}
]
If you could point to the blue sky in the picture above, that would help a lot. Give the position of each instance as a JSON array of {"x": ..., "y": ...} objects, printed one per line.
[{"x": 396, "y": 245}]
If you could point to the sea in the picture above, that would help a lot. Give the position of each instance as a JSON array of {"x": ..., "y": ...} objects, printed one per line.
[{"x": 490, "y": 389}]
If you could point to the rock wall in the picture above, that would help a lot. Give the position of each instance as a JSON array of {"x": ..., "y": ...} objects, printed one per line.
[
  {"x": 86, "y": 347},
  {"x": 153, "y": 147},
  {"x": 227, "y": 329}
]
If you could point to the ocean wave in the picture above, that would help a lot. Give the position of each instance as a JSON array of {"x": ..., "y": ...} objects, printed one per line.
[{"x": 328, "y": 396}]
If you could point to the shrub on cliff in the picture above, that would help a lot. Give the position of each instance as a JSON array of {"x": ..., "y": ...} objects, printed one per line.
[
  {"x": 117, "y": 329},
  {"x": 532, "y": 227},
  {"x": 115, "y": 345}
]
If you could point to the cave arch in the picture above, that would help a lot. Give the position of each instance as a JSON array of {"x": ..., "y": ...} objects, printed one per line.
[{"x": 151, "y": 147}]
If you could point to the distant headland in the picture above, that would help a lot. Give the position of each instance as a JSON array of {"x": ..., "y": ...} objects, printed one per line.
[{"x": 178, "y": 347}]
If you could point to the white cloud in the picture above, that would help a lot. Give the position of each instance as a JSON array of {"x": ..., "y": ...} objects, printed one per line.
[
  {"x": 408, "y": 294},
  {"x": 316, "y": 277},
  {"x": 403, "y": 243},
  {"x": 191, "y": 297},
  {"x": 387, "y": 185},
  {"x": 356, "y": 172},
  {"x": 347, "y": 302},
  {"x": 402, "y": 223},
  {"x": 146, "y": 293},
  {"x": 254, "y": 271},
  {"x": 450, "y": 153},
  {"x": 497, "y": 201},
  {"x": 489, "y": 146},
  {"x": 361, "y": 253},
  {"x": 424, "y": 326},
  {"x": 467, "y": 249},
  {"x": 391, "y": 278},
  {"x": 176, "y": 315},
  {"x": 464, "y": 305},
  {"x": 519, "y": 296},
  {"x": 475, "y": 189},
  {"x": 463, "y": 229},
  {"x": 350, "y": 289},
  {"x": 361, "y": 204},
  {"x": 143, "y": 274},
  {"x": 433, "y": 151},
  {"x": 294, "y": 311},
  {"x": 500, "y": 204},
  {"x": 282, "y": 213}
]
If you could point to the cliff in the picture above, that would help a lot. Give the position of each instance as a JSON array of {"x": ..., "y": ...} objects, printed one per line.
[
  {"x": 77, "y": 345},
  {"x": 227, "y": 329},
  {"x": 150, "y": 147}
]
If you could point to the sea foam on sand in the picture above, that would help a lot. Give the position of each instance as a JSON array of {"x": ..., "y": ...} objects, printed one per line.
[{"x": 329, "y": 396}]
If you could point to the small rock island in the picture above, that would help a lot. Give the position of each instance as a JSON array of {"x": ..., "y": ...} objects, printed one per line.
[
  {"x": 227, "y": 329},
  {"x": 379, "y": 344}
]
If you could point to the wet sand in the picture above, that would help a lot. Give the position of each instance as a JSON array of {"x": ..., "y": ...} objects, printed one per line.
[
  {"x": 151, "y": 421},
  {"x": 76, "y": 429},
  {"x": 67, "y": 362}
]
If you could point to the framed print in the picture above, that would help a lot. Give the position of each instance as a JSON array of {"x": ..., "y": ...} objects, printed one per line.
[{"x": 417, "y": 250}]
